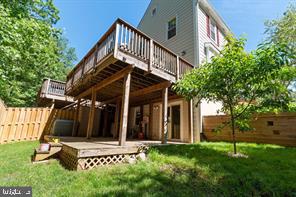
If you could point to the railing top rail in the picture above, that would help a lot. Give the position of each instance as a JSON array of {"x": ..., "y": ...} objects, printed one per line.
[{"x": 54, "y": 80}]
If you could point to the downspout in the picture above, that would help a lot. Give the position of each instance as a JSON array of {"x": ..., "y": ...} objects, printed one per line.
[
  {"x": 196, "y": 32},
  {"x": 197, "y": 124}
]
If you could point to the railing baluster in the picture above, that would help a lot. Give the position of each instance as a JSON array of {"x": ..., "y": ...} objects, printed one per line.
[
  {"x": 129, "y": 40},
  {"x": 121, "y": 37},
  {"x": 133, "y": 41},
  {"x": 125, "y": 37},
  {"x": 142, "y": 47}
]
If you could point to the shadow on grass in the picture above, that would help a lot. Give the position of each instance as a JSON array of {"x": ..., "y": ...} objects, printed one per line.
[
  {"x": 190, "y": 170},
  {"x": 175, "y": 170}
]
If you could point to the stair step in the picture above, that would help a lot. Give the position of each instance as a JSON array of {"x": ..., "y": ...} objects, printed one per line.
[
  {"x": 42, "y": 155},
  {"x": 37, "y": 151},
  {"x": 53, "y": 144}
]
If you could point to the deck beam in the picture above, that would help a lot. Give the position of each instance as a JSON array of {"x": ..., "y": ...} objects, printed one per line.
[
  {"x": 144, "y": 91},
  {"x": 120, "y": 74},
  {"x": 124, "y": 110}
]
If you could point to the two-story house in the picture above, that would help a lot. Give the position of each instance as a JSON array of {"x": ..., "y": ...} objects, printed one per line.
[
  {"x": 193, "y": 30},
  {"x": 122, "y": 83}
]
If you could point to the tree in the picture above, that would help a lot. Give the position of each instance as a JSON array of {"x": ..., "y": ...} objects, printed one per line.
[
  {"x": 282, "y": 31},
  {"x": 31, "y": 49},
  {"x": 235, "y": 78}
]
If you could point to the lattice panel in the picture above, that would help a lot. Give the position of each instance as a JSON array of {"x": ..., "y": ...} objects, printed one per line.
[
  {"x": 92, "y": 162},
  {"x": 69, "y": 160}
]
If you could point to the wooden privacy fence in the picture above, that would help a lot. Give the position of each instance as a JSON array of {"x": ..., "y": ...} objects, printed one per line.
[
  {"x": 22, "y": 124},
  {"x": 2, "y": 105},
  {"x": 267, "y": 128}
]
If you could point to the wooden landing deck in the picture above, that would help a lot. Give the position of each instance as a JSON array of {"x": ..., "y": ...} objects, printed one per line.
[
  {"x": 53, "y": 92},
  {"x": 79, "y": 153}
]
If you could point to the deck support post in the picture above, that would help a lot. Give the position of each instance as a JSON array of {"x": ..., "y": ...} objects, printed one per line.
[
  {"x": 76, "y": 119},
  {"x": 91, "y": 114},
  {"x": 190, "y": 119},
  {"x": 124, "y": 109},
  {"x": 116, "y": 118},
  {"x": 164, "y": 115}
]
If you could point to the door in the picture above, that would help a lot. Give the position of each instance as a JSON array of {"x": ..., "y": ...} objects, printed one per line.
[
  {"x": 175, "y": 125},
  {"x": 174, "y": 118}
]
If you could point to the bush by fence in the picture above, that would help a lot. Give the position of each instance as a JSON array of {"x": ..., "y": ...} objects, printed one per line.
[{"x": 268, "y": 128}]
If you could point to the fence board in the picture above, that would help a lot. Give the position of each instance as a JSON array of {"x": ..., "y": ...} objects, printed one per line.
[
  {"x": 267, "y": 128},
  {"x": 20, "y": 124}
]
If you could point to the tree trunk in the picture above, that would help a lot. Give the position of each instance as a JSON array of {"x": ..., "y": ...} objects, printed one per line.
[{"x": 233, "y": 130}]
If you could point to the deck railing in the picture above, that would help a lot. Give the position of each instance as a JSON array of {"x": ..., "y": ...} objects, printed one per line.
[
  {"x": 126, "y": 38},
  {"x": 184, "y": 67},
  {"x": 52, "y": 87}
]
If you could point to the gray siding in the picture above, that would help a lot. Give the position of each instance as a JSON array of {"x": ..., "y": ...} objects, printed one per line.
[{"x": 156, "y": 26}]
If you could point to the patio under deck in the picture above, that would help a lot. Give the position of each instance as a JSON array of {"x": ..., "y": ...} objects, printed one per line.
[
  {"x": 125, "y": 68},
  {"x": 79, "y": 153}
]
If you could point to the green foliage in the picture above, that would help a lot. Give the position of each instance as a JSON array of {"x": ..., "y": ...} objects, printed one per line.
[
  {"x": 202, "y": 169},
  {"x": 283, "y": 30},
  {"x": 241, "y": 80},
  {"x": 30, "y": 49}
]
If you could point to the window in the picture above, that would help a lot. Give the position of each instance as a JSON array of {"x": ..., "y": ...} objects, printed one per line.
[
  {"x": 213, "y": 30},
  {"x": 153, "y": 12},
  {"x": 172, "y": 28}
]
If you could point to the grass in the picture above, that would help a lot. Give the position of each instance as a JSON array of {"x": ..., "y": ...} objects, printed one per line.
[{"x": 176, "y": 170}]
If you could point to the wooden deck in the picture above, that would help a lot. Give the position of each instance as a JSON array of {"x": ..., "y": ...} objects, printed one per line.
[
  {"x": 53, "y": 92},
  {"x": 79, "y": 153},
  {"x": 125, "y": 68}
]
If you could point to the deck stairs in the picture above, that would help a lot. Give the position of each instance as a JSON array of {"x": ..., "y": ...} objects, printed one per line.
[{"x": 54, "y": 149}]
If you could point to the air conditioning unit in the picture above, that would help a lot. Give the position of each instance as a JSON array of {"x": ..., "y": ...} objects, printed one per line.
[{"x": 62, "y": 127}]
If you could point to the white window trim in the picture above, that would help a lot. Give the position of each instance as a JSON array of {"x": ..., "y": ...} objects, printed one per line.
[
  {"x": 210, "y": 25},
  {"x": 167, "y": 28},
  {"x": 210, "y": 46}
]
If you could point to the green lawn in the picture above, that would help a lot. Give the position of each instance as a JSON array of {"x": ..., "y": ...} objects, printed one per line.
[{"x": 177, "y": 170}]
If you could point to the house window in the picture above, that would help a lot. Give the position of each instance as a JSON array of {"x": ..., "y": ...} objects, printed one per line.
[
  {"x": 153, "y": 12},
  {"x": 172, "y": 30},
  {"x": 213, "y": 30}
]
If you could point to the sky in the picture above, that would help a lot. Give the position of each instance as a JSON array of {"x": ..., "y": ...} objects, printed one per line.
[{"x": 85, "y": 21}]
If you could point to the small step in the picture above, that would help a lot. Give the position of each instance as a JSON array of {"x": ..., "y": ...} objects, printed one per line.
[
  {"x": 38, "y": 151},
  {"x": 53, "y": 149},
  {"x": 54, "y": 144}
]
